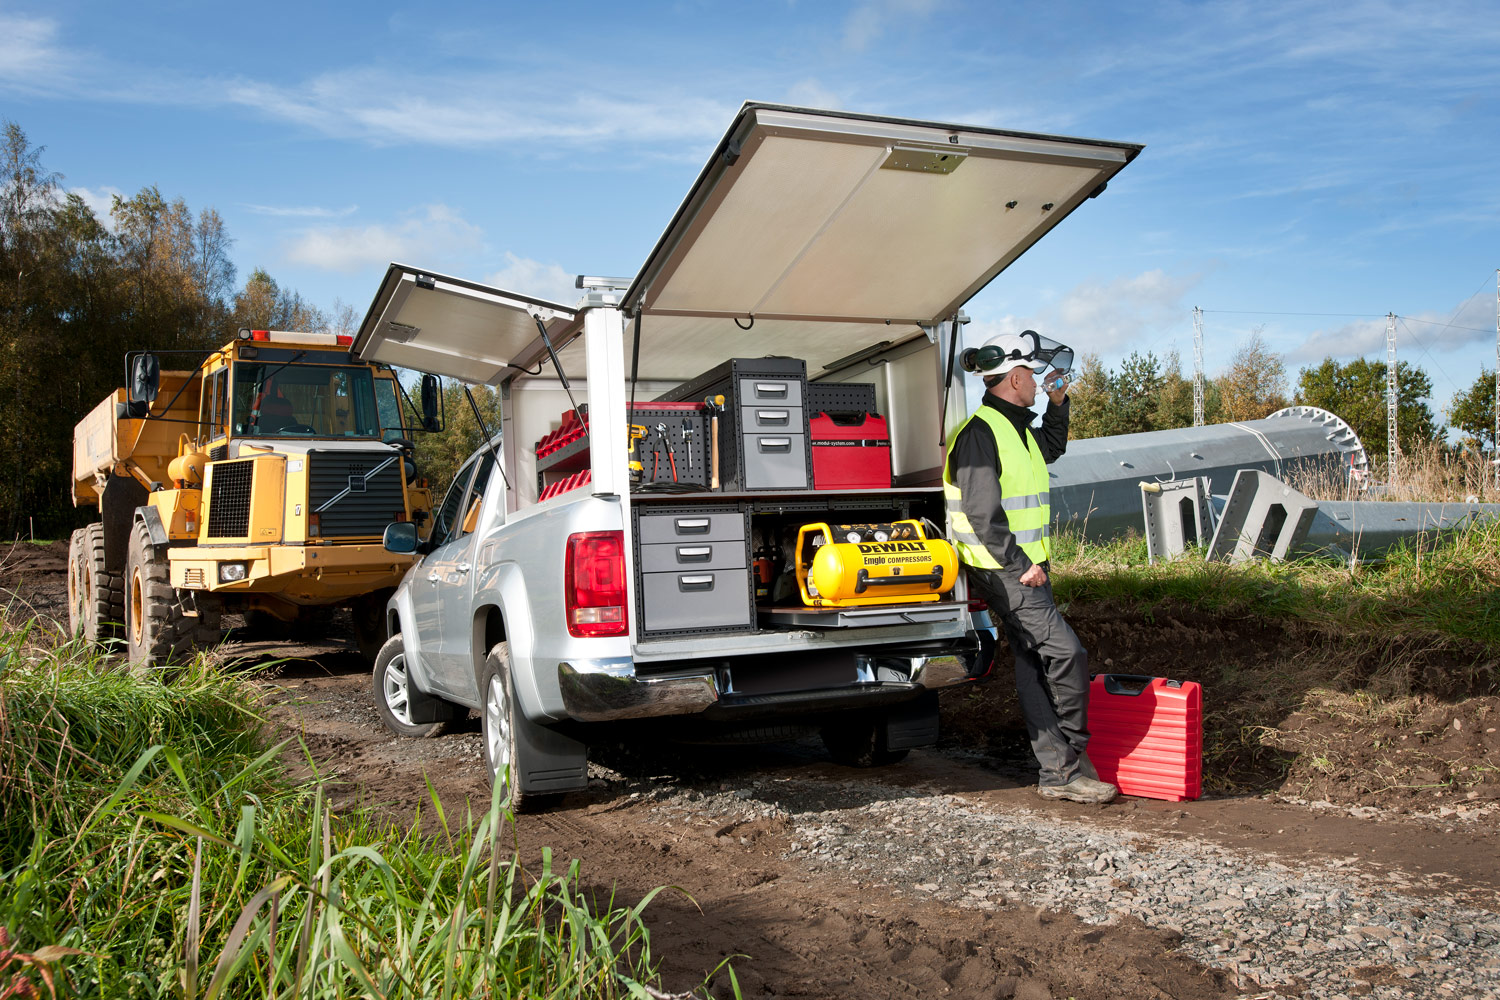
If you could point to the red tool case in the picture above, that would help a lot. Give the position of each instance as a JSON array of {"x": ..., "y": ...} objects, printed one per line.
[
  {"x": 1146, "y": 735},
  {"x": 850, "y": 452}
]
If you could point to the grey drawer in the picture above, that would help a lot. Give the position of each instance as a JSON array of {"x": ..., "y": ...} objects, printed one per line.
[
  {"x": 786, "y": 419},
  {"x": 770, "y": 392},
  {"x": 693, "y": 556},
  {"x": 717, "y": 527},
  {"x": 672, "y": 602},
  {"x": 775, "y": 461}
]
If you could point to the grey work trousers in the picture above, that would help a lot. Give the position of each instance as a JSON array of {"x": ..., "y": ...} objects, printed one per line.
[{"x": 1052, "y": 671}]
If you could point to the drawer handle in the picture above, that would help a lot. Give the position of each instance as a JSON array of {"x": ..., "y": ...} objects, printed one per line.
[
  {"x": 692, "y": 525},
  {"x": 770, "y": 389},
  {"x": 695, "y": 582},
  {"x": 696, "y": 553},
  {"x": 774, "y": 417},
  {"x": 775, "y": 444}
]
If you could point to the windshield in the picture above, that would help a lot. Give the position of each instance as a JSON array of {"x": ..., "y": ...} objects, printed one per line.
[{"x": 288, "y": 400}]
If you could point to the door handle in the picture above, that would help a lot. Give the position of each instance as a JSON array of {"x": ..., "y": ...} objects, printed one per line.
[
  {"x": 433, "y": 577},
  {"x": 689, "y": 553},
  {"x": 775, "y": 444},
  {"x": 779, "y": 418},
  {"x": 463, "y": 567}
]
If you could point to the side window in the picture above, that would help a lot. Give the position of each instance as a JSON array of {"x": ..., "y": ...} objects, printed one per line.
[
  {"x": 476, "y": 496},
  {"x": 389, "y": 407},
  {"x": 215, "y": 408},
  {"x": 443, "y": 527}
]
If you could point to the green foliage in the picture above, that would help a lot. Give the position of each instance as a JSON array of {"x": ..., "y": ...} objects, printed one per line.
[
  {"x": 1474, "y": 411},
  {"x": 440, "y": 455},
  {"x": 150, "y": 846},
  {"x": 1355, "y": 390},
  {"x": 1147, "y": 394},
  {"x": 77, "y": 295},
  {"x": 1254, "y": 384}
]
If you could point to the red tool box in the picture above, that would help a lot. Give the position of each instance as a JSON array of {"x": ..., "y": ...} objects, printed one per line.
[
  {"x": 850, "y": 452},
  {"x": 1146, "y": 735}
]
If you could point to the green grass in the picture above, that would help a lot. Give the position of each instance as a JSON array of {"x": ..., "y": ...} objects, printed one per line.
[
  {"x": 1445, "y": 590},
  {"x": 151, "y": 846}
]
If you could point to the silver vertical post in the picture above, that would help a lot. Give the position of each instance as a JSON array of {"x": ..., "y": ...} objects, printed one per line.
[
  {"x": 1391, "y": 450},
  {"x": 1198, "y": 366}
]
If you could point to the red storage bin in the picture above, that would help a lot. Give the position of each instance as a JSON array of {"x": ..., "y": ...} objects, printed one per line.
[
  {"x": 1146, "y": 735},
  {"x": 850, "y": 452}
]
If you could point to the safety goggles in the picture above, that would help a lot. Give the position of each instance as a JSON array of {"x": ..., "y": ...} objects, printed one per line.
[{"x": 1038, "y": 352}]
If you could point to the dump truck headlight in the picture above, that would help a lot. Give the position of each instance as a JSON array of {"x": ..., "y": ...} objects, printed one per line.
[{"x": 231, "y": 572}]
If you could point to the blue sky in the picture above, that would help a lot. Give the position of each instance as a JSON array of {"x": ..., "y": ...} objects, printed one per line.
[{"x": 1302, "y": 158}]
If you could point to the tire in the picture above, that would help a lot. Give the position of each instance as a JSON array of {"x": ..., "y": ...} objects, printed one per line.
[
  {"x": 498, "y": 711},
  {"x": 369, "y": 623},
  {"x": 393, "y": 694},
  {"x": 156, "y": 630},
  {"x": 95, "y": 596},
  {"x": 860, "y": 742}
]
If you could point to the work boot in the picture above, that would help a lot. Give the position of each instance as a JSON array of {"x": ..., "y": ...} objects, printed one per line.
[{"x": 1080, "y": 789}]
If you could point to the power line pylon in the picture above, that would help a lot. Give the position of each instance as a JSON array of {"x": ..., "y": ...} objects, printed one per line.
[
  {"x": 1391, "y": 449},
  {"x": 1198, "y": 366}
]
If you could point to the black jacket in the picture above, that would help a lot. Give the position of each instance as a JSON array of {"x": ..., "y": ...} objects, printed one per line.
[{"x": 974, "y": 467}]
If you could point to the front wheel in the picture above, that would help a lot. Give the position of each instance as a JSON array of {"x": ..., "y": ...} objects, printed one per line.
[
  {"x": 396, "y": 699},
  {"x": 156, "y": 630}
]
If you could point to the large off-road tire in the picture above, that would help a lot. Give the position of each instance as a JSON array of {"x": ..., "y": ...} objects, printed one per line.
[
  {"x": 396, "y": 699},
  {"x": 369, "y": 623},
  {"x": 156, "y": 630},
  {"x": 860, "y": 742},
  {"x": 95, "y": 597}
]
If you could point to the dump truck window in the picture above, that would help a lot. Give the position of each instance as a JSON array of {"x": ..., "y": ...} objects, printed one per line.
[
  {"x": 388, "y": 405},
  {"x": 273, "y": 400}
]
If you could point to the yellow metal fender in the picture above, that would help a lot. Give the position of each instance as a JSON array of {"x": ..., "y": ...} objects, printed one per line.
[{"x": 851, "y": 565}]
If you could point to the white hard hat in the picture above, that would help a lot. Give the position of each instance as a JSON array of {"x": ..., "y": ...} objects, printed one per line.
[{"x": 1006, "y": 351}]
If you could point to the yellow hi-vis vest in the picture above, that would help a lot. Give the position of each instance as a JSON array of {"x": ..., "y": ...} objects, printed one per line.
[{"x": 1024, "y": 495}]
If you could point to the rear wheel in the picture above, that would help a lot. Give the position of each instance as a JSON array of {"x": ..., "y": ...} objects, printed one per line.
[
  {"x": 156, "y": 630},
  {"x": 861, "y": 742},
  {"x": 369, "y": 623},
  {"x": 395, "y": 697},
  {"x": 95, "y": 602}
]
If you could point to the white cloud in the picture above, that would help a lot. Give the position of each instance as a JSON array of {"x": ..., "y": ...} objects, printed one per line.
[
  {"x": 28, "y": 53},
  {"x": 531, "y": 277},
  {"x": 302, "y": 211},
  {"x": 1417, "y": 335},
  {"x": 1110, "y": 317},
  {"x": 433, "y": 233},
  {"x": 810, "y": 93},
  {"x": 100, "y": 200},
  {"x": 869, "y": 20}
]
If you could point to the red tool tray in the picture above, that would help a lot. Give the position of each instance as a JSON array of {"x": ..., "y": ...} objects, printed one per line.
[
  {"x": 850, "y": 452},
  {"x": 1146, "y": 735}
]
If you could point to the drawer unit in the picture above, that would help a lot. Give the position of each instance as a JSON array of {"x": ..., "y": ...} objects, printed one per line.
[
  {"x": 696, "y": 600},
  {"x": 775, "y": 461},
  {"x": 693, "y": 572},
  {"x": 786, "y": 419},
  {"x": 686, "y": 556},
  {"x": 769, "y": 391},
  {"x": 690, "y": 526}
]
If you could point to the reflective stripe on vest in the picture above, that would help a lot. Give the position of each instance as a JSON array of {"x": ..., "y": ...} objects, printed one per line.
[{"x": 1024, "y": 495}]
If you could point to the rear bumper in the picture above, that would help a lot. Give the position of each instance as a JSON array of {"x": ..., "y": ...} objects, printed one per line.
[{"x": 611, "y": 689}]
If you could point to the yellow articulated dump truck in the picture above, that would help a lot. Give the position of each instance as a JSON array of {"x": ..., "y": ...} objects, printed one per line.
[{"x": 258, "y": 482}]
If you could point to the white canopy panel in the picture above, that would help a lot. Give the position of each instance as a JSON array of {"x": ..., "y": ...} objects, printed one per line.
[
  {"x": 448, "y": 326},
  {"x": 818, "y": 216}
]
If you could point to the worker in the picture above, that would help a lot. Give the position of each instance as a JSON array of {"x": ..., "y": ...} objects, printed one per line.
[{"x": 995, "y": 483}]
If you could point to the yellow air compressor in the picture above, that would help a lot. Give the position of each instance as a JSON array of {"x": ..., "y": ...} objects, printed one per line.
[{"x": 850, "y": 565}]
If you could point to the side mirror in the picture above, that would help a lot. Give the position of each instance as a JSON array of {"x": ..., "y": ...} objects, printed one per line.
[
  {"x": 431, "y": 391},
  {"x": 145, "y": 379},
  {"x": 400, "y": 536}
]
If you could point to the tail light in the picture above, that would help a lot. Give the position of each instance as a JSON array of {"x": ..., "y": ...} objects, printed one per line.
[
  {"x": 594, "y": 584},
  {"x": 977, "y": 604}
]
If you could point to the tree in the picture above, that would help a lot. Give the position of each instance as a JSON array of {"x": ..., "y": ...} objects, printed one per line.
[
  {"x": 1355, "y": 391},
  {"x": 1474, "y": 411},
  {"x": 1091, "y": 400},
  {"x": 264, "y": 305},
  {"x": 1136, "y": 392},
  {"x": 1254, "y": 384},
  {"x": 440, "y": 455}
]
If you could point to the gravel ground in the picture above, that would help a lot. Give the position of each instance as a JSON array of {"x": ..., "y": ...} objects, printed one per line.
[{"x": 1318, "y": 931}]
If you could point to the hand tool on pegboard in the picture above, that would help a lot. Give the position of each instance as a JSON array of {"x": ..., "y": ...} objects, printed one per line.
[{"x": 715, "y": 405}]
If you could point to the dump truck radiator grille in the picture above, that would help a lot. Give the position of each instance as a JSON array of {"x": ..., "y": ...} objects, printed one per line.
[
  {"x": 354, "y": 494},
  {"x": 229, "y": 499}
]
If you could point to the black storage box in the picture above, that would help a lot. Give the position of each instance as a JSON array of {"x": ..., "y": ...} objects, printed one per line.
[{"x": 762, "y": 436}]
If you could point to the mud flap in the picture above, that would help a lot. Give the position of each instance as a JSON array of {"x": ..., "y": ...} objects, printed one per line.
[
  {"x": 425, "y": 708},
  {"x": 547, "y": 760},
  {"x": 913, "y": 724}
]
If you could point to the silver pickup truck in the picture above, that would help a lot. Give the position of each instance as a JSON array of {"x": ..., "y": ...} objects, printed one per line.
[{"x": 626, "y": 547}]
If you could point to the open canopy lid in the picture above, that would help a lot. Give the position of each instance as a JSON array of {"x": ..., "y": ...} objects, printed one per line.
[
  {"x": 460, "y": 329},
  {"x": 835, "y": 231}
]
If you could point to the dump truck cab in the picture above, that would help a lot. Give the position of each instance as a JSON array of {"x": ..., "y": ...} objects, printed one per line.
[{"x": 259, "y": 482}]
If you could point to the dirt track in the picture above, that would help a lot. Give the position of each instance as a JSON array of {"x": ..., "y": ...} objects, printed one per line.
[{"x": 946, "y": 875}]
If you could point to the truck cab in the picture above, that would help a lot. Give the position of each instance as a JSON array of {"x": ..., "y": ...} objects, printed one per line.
[{"x": 640, "y": 539}]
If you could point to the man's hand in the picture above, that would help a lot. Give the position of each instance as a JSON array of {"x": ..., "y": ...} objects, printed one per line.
[
  {"x": 1034, "y": 577},
  {"x": 1061, "y": 394}
]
